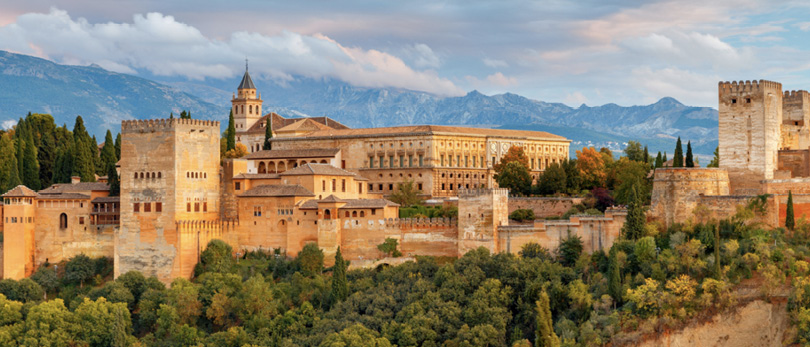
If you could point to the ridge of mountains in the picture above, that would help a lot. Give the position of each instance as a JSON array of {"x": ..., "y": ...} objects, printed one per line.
[{"x": 104, "y": 98}]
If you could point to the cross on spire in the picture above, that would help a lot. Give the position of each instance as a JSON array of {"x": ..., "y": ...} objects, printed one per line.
[{"x": 246, "y": 64}]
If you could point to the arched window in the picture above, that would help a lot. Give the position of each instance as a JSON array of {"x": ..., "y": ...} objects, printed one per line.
[
  {"x": 141, "y": 175},
  {"x": 362, "y": 213},
  {"x": 250, "y": 109},
  {"x": 327, "y": 214},
  {"x": 63, "y": 221},
  {"x": 354, "y": 213},
  {"x": 136, "y": 175},
  {"x": 347, "y": 214},
  {"x": 159, "y": 175}
]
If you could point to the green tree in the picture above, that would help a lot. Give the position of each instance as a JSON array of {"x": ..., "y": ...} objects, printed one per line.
[
  {"x": 9, "y": 176},
  {"x": 79, "y": 269},
  {"x": 534, "y": 250},
  {"x": 268, "y": 135},
  {"x": 340, "y": 286},
  {"x": 545, "y": 336},
  {"x": 634, "y": 151},
  {"x": 108, "y": 157},
  {"x": 570, "y": 249},
  {"x": 636, "y": 220},
  {"x": 46, "y": 278},
  {"x": 389, "y": 247},
  {"x": 310, "y": 260},
  {"x": 716, "y": 160},
  {"x": 406, "y": 194},
  {"x": 659, "y": 161},
  {"x": 516, "y": 178},
  {"x": 113, "y": 180},
  {"x": 790, "y": 222},
  {"x": 19, "y": 142},
  {"x": 553, "y": 180},
  {"x": 184, "y": 297},
  {"x": 646, "y": 155},
  {"x": 665, "y": 160},
  {"x": 43, "y": 128},
  {"x": 217, "y": 257},
  {"x": 230, "y": 133},
  {"x": 522, "y": 214},
  {"x": 355, "y": 336},
  {"x": 49, "y": 324},
  {"x": 514, "y": 154},
  {"x": 118, "y": 146},
  {"x": 690, "y": 161},
  {"x": 677, "y": 159},
  {"x": 30, "y": 175},
  {"x": 627, "y": 175},
  {"x": 614, "y": 275},
  {"x": 104, "y": 323}
]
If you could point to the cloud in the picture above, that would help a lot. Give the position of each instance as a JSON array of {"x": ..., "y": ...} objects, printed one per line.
[
  {"x": 8, "y": 124},
  {"x": 495, "y": 63},
  {"x": 677, "y": 83},
  {"x": 500, "y": 80},
  {"x": 803, "y": 26},
  {"x": 575, "y": 99},
  {"x": 166, "y": 47}
]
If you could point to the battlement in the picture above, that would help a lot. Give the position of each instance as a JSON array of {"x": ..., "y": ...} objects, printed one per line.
[
  {"x": 737, "y": 87},
  {"x": 152, "y": 125},
  {"x": 471, "y": 193}
]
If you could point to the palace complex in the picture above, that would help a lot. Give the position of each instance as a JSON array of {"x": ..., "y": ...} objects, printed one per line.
[{"x": 321, "y": 183}]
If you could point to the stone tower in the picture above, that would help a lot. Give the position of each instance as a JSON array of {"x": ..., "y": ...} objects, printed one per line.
[
  {"x": 480, "y": 213},
  {"x": 750, "y": 120},
  {"x": 247, "y": 106},
  {"x": 169, "y": 173},
  {"x": 19, "y": 214},
  {"x": 795, "y": 120}
]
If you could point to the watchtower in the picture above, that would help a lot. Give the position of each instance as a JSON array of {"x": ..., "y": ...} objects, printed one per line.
[
  {"x": 480, "y": 213},
  {"x": 796, "y": 120},
  {"x": 247, "y": 105},
  {"x": 169, "y": 173},
  {"x": 18, "y": 232},
  {"x": 750, "y": 120}
]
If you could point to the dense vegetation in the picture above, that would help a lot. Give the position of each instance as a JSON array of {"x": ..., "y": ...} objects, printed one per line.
[{"x": 646, "y": 283}]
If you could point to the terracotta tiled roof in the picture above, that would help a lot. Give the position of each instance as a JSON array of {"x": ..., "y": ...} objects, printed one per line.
[
  {"x": 281, "y": 122},
  {"x": 20, "y": 191},
  {"x": 350, "y": 203},
  {"x": 305, "y": 124},
  {"x": 77, "y": 187},
  {"x": 332, "y": 198},
  {"x": 64, "y": 196},
  {"x": 254, "y": 176},
  {"x": 430, "y": 129},
  {"x": 293, "y": 153},
  {"x": 277, "y": 190},
  {"x": 316, "y": 169},
  {"x": 107, "y": 199}
]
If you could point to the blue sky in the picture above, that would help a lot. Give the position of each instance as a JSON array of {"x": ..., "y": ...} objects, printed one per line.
[{"x": 594, "y": 52}]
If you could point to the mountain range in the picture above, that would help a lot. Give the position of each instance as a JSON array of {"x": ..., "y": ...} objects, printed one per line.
[{"x": 104, "y": 98}]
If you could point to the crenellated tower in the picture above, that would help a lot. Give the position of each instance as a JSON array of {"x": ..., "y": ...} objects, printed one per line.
[
  {"x": 795, "y": 120},
  {"x": 246, "y": 104},
  {"x": 750, "y": 119}
]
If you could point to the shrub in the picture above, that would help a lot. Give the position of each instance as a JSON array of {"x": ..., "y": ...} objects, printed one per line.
[{"x": 523, "y": 214}]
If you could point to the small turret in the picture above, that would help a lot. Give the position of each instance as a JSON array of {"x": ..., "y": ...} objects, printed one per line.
[{"x": 247, "y": 107}]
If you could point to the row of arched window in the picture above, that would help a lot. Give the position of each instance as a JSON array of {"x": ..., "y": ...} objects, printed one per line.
[
  {"x": 143, "y": 175},
  {"x": 190, "y": 174}
]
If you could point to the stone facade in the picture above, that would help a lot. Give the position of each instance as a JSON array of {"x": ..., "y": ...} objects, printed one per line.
[{"x": 544, "y": 206}]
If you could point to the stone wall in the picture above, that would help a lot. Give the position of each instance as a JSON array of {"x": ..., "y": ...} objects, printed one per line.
[
  {"x": 677, "y": 191},
  {"x": 797, "y": 162},
  {"x": 480, "y": 213},
  {"x": 597, "y": 232},
  {"x": 544, "y": 207}
]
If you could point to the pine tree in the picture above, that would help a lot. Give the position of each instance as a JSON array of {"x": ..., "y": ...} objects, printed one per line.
[
  {"x": 118, "y": 147},
  {"x": 9, "y": 176},
  {"x": 665, "y": 160},
  {"x": 716, "y": 160},
  {"x": 19, "y": 142},
  {"x": 108, "y": 153},
  {"x": 83, "y": 162},
  {"x": 634, "y": 224},
  {"x": 30, "y": 175},
  {"x": 230, "y": 133},
  {"x": 114, "y": 182},
  {"x": 545, "y": 324},
  {"x": 677, "y": 159},
  {"x": 171, "y": 115},
  {"x": 340, "y": 286},
  {"x": 790, "y": 218},
  {"x": 690, "y": 161},
  {"x": 659, "y": 161},
  {"x": 101, "y": 169},
  {"x": 614, "y": 276},
  {"x": 268, "y": 134},
  {"x": 646, "y": 155}
]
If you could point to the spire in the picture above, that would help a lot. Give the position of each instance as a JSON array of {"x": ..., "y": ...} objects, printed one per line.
[{"x": 247, "y": 82}]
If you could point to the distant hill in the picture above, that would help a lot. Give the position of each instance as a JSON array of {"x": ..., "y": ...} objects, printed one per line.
[
  {"x": 101, "y": 97},
  {"x": 105, "y": 98}
]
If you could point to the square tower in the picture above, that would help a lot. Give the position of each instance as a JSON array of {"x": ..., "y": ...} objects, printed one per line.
[
  {"x": 169, "y": 173},
  {"x": 795, "y": 120},
  {"x": 246, "y": 104},
  {"x": 750, "y": 120}
]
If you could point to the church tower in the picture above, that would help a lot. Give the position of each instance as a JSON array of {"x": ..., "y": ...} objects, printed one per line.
[{"x": 247, "y": 106}]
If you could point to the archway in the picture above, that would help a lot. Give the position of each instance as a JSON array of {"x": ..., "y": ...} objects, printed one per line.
[
  {"x": 63, "y": 221},
  {"x": 282, "y": 166},
  {"x": 262, "y": 167},
  {"x": 327, "y": 214},
  {"x": 324, "y": 161}
]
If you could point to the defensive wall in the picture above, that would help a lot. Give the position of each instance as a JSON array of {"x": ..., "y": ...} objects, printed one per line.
[
  {"x": 678, "y": 191},
  {"x": 543, "y": 207}
]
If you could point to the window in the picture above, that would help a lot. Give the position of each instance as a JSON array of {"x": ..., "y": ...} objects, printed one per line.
[
  {"x": 205, "y": 207},
  {"x": 391, "y": 187},
  {"x": 401, "y": 161},
  {"x": 458, "y": 160},
  {"x": 323, "y": 185},
  {"x": 421, "y": 160},
  {"x": 466, "y": 161},
  {"x": 342, "y": 164},
  {"x": 381, "y": 187},
  {"x": 147, "y": 207},
  {"x": 136, "y": 207},
  {"x": 362, "y": 213},
  {"x": 360, "y": 188},
  {"x": 158, "y": 207},
  {"x": 442, "y": 186},
  {"x": 238, "y": 185},
  {"x": 334, "y": 185},
  {"x": 419, "y": 186},
  {"x": 747, "y": 100},
  {"x": 371, "y": 162},
  {"x": 343, "y": 185},
  {"x": 196, "y": 207},
  {"x": 257, "y": 211},
  {"x": 346, "y": 214},
  {"x": 136, "y": 175},
  {"x": 81, "y": 220},
  {"x": 442, "y": 159},
  {"x": 370, "y": 187},
  {"x": 410, "y": 161},
  {"x": 188, "y": 207},
  {"x": 733, "y": 101},
  {"x": 159, "y": 175}
]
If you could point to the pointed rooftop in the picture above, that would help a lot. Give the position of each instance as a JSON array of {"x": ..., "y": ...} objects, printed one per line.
[
  {"x": 247, "y": 82},
  {"x": 20, "y": 191}
]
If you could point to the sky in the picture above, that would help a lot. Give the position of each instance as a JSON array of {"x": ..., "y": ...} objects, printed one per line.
[{"x": 574, "y": 52}]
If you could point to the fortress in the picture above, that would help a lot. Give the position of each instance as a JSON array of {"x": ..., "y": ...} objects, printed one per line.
[
  {"x": 764, "y": 150},
  {"x": 321, "y": 183}
]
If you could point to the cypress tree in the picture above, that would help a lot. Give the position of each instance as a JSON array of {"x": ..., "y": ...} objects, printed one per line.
[
  {"x": 634, "y": 224},
  {"x": 665, "y": 159},
  {"x": 30, "y": 175},
  {"x": 677, "y": 159},
  {"x": 690, "y": 161},
  {"x": 790, "y": 218},
  {"x": 659, "y": 161},
  {"x": 614, "y": 276},
  {"x": 171, "y": 115},
  {"x": 118, "y": 147},
  {"x": 717, "y": 266},
  {"x": 108, "y": 152},
  {"x": 9, "y": 176},
  {"x": 19, "y": 142},
  {"x": 101, "y": 169},
  {"x": 646, "y": 155},
  {"x": 63, "y": 166},
  {"x": 268, "y": 134},
  {"x": 83, "y": 162},
  {"x": 340, "y": 286},
  {"x": 545, "y": 336},
  {"x": 112, "y": 178},
  {"x": 231, "y": 133}
]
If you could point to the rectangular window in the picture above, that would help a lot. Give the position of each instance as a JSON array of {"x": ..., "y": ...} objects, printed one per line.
[
  {"x": 205, "y": 207},
  {"x": 421, "y": 161},
  {"x": 482, "y": 162},
  {"x": 381, "y": 162},
  {"x": 391, "y": 161},
  {"x": 458, "y": 160},
  {"x": 493, "y": 161},
  {"x": 410, "y": 161},
  {"x": 81, "y": 220},
  {"x": 238, "y": 185},
  {"x": 419, "y": 186},
  {"x": 342, "y": 164},
  {"x": 323, "y": 185},
  {"x": 370, "y": 187},
  {"x": 371, "y": 162},
  {"x": 360, "y": 188},
  {"x": 442, "y": 159},
  {"x": 391, "y": 187},
  {"x": 466, "y": 161},
  {"x": 442, "y": 186},
  {"x": 188, "y": 207},
  {"x": 343, "y": 185},
  {"x": 136, "y": 207},
  {"x": 196, "y": 207},
  {"x": 381, "y": 187},
  {"x": 147, "y": 207},
  {"x": 373, "y": 211},
  {"x": 474, "y": 165},
  {"x": 334, "y": 185},
  {"x": 158, "y": 207},
  {"x": 257, "y": 211}
]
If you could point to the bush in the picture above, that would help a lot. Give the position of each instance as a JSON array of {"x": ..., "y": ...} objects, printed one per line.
[
  {"x": 389, "y": 247},
  {"x": 522, "y": 214}
]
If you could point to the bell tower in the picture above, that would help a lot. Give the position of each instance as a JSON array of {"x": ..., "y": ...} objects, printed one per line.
[{"x": 247, "y": 105}]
